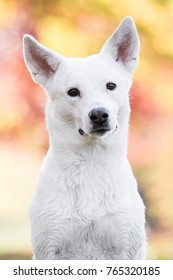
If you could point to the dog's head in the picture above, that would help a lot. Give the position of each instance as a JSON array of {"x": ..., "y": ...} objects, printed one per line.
[{"x": 89, "y": 94}]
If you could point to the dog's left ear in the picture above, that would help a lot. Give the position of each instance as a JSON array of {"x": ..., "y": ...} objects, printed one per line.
[{"x": 123, "y": 45}]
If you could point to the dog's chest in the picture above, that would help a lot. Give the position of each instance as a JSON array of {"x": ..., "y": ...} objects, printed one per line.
[
  {"x": 85, "y": 205},
  {"x": 91, "y": 187},
  {"x": 84, "y": 187}
]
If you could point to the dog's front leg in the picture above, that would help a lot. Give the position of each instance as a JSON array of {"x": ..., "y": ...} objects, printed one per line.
[
  {"x": 50, "y": 239},
  {"x": 44, "y": 246}
]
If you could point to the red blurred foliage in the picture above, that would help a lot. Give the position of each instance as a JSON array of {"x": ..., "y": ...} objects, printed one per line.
[
  {"x": 146, "y": 117},
  {"x": 18, "y": 92},
  {"x": 142, "y": 103}
]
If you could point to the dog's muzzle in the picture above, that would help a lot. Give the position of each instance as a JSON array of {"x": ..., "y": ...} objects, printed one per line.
[
  {"x": 99, "y": 118},
  {"x": 99, "y": 123}
]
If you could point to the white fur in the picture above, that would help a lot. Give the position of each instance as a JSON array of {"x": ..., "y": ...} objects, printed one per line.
[{"x": 86, "y": 204}]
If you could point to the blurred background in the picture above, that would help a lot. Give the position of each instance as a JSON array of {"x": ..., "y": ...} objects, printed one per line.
[{"x": 79, "y": 28}]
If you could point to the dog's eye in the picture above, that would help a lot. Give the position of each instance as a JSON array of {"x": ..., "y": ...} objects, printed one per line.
[
  {"x": 73, "y": 92},
  {"x": 111, "y": 86}
]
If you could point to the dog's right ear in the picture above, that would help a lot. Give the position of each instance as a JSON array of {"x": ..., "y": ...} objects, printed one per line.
[{"x": 41, "y": 62}]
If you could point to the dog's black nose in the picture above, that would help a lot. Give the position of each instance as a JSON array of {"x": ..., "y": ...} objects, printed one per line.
[{"x": 99, "y": 115}]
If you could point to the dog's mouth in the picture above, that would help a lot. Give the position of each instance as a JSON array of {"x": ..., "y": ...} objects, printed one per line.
[
  {"x": 97, "y": 131},
  {"x": 100, "y": 130}
]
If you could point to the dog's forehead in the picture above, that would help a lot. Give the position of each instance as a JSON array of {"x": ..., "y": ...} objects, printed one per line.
[{"x": 94, "y": 65}]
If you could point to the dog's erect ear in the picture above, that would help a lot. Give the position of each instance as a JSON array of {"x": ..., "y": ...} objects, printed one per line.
[
  {"x": 123, "y": 45},
  {"x": 41, "y": 62}
]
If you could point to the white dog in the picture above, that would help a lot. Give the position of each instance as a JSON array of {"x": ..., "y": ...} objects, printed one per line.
[{"x": 87, "y": 205}]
